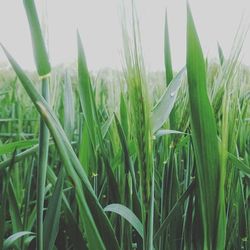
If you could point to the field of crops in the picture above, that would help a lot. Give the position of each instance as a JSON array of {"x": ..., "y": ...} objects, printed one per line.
[{"x": 129, "y": 160}]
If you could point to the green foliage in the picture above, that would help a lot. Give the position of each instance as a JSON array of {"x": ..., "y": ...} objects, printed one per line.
[
  {"x": 204, "y": 134},
  {"x": 136, "y": 160}
]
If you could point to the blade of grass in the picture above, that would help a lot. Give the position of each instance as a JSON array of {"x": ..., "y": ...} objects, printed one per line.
[
  {"x": 10, "y": 147},
  {"x": 167, "y": 53},
  {"x": 163, "y": 108},
  {"x": 221, "y": 54},
  {"x": 127, "y": 214},
  {"x": 10, "y": 241},
  {"x": 51, "y": 221},
  {"x": 39, "y": 48},
  {"x": 93, "y": 124},
  {"x": 204, "y": 135},
  {"x": 69, "y": 117}
]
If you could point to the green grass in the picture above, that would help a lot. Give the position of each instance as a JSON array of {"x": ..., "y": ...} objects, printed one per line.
[{"x": 138, "y": 160}]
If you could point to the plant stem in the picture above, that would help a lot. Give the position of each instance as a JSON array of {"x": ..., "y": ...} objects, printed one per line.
[{"x": 42, "y": 167}]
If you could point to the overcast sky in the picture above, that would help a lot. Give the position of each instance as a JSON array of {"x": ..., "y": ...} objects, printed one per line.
[{"x": 99, "y": 24}]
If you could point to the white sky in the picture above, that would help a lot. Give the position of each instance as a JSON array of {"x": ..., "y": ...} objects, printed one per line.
[{"x": 99, "y": 24}]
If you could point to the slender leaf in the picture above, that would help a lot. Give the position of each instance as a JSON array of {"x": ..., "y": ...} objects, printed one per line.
[
  {"x": 127, "y": 214},
  {"x": 162, "y": 109},
  {"x": 10, "y": 241},
  {"x": 39, "y": 49}
]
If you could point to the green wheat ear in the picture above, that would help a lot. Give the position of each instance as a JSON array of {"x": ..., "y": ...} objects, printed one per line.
[{"x": 140, "y": 113}]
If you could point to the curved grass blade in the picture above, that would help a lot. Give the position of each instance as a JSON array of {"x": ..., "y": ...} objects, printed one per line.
[
  {"x": 162, "y": 132},
  {"x": 162, "y": 109},
  {"x": 10, "y": 241},
  {"x": 127, "y": 214}
]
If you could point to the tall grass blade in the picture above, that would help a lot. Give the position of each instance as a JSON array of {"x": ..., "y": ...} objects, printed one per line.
[
  {"x": 204, "y": 135},
  {"x": 43, "y": 69},
  {"x": 39, "y": 48}
]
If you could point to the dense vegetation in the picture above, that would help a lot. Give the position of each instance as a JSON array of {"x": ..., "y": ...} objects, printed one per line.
[{"x": 125, "y": 160}]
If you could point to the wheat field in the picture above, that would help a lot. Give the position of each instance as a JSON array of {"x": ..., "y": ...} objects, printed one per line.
[{"x": 125, "y": 159}]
